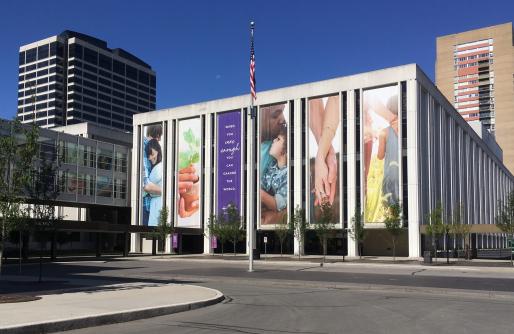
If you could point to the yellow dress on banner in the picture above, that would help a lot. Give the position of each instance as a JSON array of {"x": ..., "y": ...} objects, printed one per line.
[{"x": 374, "y": 211}]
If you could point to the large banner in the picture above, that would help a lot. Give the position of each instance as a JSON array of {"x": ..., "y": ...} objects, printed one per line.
[
  {"x": 189, "y": 173},
  {"x": 273, "y": 171},
  {"x": 381, "y": 152},
  {"x": 324, "y": 155},
  {"x": 229, "y": 161},
  {"x": 153, "y": 159}
]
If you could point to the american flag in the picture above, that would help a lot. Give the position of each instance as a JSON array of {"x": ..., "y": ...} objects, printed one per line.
[{"x": 252, "y": 65}]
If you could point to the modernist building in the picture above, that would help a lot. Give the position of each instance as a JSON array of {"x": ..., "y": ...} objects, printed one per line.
[
  {"x": 474, "y": 70},
  {"x": 94, "y": 181},
  {"x": 363, "y": 141},
  {"x": 72, "y": 78}
]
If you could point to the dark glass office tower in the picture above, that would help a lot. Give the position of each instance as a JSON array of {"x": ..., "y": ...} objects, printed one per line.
[{"x": 72, "y": 78}]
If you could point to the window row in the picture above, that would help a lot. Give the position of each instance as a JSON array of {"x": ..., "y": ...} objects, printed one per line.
[
  {"x": 41, "y": 52},
  {"x": 88, "y": 156},
  {"x": 108, "y": 63}
]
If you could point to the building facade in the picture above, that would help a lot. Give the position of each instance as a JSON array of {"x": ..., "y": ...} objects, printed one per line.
[
  {"x": 72, "y": 78},
  {"x": 364, "y": 141},
  {"x": 475, "y": 71},
  {"x": 93, "y": 177}
]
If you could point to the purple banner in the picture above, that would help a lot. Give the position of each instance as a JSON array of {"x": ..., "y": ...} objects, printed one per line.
[
  {"x": 174, "y": 240},
  {"x": 229, "y": 160}
]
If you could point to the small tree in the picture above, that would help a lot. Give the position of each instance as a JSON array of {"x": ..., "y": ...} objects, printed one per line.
[
  {"x": 282, "y": 231},
  {"x": 218, "y": 229},
  {"x": 393, "y": 223},
  {"x": 18, "y": 151},
  {"x": 298, "y": 227},
  {"x": 234, "y": 225},
  {"x": 163, "y": 228},
  {"x": 434, "y": 228},
  {"x": 357, "y": 231},
  {"x": 324, "y": 225},
  {"x": 43, "y": 190},
  {"x": 505, "y": 218},
  {"x": 459, "y": 230}
]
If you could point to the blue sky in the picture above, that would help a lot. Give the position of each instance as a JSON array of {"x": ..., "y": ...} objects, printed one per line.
[{"x": 200, "y": 49}]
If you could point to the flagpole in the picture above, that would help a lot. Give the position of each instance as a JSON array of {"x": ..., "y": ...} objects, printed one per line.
[{"x": 253, "y": 116}]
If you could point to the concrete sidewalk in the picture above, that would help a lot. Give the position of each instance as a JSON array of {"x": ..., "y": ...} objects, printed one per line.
[{"x": 102, "y": 305}]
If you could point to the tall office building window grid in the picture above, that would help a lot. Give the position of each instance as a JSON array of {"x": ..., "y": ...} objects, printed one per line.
[
  {"x": 474, "y": 81},
  {"x": 73, "y": 78}
]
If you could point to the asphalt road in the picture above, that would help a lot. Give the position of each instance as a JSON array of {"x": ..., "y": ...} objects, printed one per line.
[
  {"x": 256, "y": 308},
  {"x": 305, "y": 298}
]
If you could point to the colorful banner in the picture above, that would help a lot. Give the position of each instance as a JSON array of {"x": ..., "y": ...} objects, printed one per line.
[
  {"x": 273, "y": 166},
  {"x": 152, "y": 173},
  {"x": 189, "y": 173},
  {"x": 229, "y": 161},
  {"x": 381, "y": 151},
  {"x": 324, "y": 155}
]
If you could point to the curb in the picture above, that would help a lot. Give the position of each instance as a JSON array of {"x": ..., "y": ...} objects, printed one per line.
[{"x": 109, "y": 318}]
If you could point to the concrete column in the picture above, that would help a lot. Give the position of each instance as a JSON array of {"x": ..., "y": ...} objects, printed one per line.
[
  {"x": 352, "y": 172},
  {"x": 413, "y": 130},
  {"x": 207, "y": 191},
  {"x": 135, "y": 242},
  {"x": 296, "y": 145}
]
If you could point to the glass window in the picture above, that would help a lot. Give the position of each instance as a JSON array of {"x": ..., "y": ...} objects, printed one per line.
[
  {"x": 86, "y": 184},
  {"x": 132, "y": 84},
  {"x": 67, "y": 152},
  {"x": 105, "y": 90},
  {"x": 75, "y": 50},
  {"x": 144, "y": 78},
  {"x": 31, "y": 55},
  {"x": 42, "y": 52},
  {"x": 131, "y": 72},
  {"x": 104, "y": 105},
  {"x": 91, "y": 56},
  {"x": 53, "y": 49},
  {"x": 60, "y": 49},
  {"x": 22, "y": 58},
  {"x": 117, "y": 117},
  {"x": 104, "y": 73},
  {"x": 104, "y": 82},
  {"x": 117, "y": 78},
  {"x": 67, "y": 182},
  {"x": 42, "y": 64},
  {"x": 118, "y": 94},
  {"x": 89, "y": 68},
  {"x": 103, "y": 186},
  {"x": 152, "y": 81},
  {"x": 131, "y": 91},
  {"x": 104, "y": 97},
  {"x": 119, "y": 87},
  {"x": 104, "y": 159},
  {"x": 87, "y": 156},
  {"x": 91, "y": 77},
  {"x": 120, "y": 161},
  {"x": 117, "y": 125},
  {"x": 105, "y": 62},
  {"x": 120, "y": 189},
  {"x": 89, "y": 84},
  {"x": 118, "y": 67},
  {"x": 104, "y": 120},
  {"x": 90, "y": 93}
]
